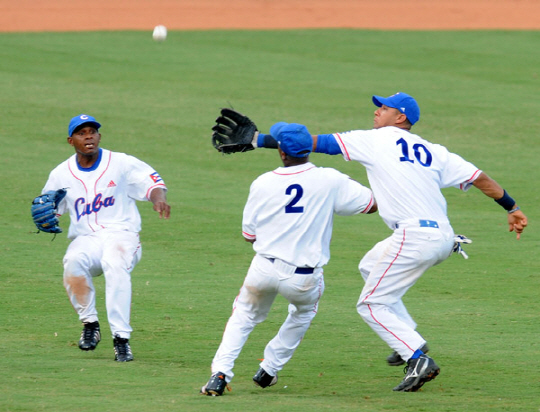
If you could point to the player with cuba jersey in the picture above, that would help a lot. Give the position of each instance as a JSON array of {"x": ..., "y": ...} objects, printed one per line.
[
  {"x": 104, "y": 196},
  {"x": 102, "y": 190}
]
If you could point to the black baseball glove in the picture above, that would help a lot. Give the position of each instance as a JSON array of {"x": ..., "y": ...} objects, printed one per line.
[
  {"x": 233, "y": 132},
  {"x": 44, "y": 210}
]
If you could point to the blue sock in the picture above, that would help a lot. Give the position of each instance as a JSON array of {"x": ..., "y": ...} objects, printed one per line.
[{"x": 417, "y": 354}]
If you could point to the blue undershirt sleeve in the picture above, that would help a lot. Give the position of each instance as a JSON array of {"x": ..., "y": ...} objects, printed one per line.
[{"x": 327, "y": 143}]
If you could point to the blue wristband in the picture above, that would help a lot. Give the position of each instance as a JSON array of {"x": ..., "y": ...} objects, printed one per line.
[
  {"x": 506, "y": 201},
  {"x": 267, "y": 141}
]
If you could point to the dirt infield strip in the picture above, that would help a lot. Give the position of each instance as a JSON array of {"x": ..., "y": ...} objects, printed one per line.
[{"x": 83, "y": 15}]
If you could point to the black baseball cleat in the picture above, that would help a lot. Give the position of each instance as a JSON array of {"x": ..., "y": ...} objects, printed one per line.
[
  {"x": 90, "y": 336},
  {"x": 417, "y": 372},
  {"x": 216, "y": 385},
  {"x": 263, "y": 379},
  {"x": 122, "y": 350},
  {"x": 395, "y": 359}
]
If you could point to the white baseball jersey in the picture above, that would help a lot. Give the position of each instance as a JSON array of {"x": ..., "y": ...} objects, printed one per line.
[
  {"x": 105, "y": 195},
  {"x": 406, "y": 172},
  {"x": 290, "y": 210},
  {"x": 289, "y": 213},
  {"x": 101, "y": 201}
]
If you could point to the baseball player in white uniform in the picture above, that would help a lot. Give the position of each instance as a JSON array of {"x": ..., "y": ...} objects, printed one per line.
[
  {"x": 102, "y": 190},
  {"x": 288, "y": 217},
  {"x": 406, "y": 174}
]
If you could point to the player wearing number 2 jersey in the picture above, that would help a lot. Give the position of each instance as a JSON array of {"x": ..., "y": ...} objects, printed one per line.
[
  {"x": 288, "y": 217},
  {"x": 406, "y": 174}
]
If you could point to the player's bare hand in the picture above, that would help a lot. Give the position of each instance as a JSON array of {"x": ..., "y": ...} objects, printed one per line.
[
  {"x": 163, "y": 208},
  {"x": 159, "y": 199},
  {"x": 517, "y": 222}
]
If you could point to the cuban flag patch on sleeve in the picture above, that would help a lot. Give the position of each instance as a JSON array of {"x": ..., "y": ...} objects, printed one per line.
[{"x": 156, "y": 177}]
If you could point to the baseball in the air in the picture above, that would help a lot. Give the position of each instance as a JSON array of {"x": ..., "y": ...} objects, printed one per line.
[{"x": 160, "y": 33}]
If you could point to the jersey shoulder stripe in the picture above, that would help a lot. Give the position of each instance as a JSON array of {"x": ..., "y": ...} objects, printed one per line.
[{"x": 342, "y": 146}]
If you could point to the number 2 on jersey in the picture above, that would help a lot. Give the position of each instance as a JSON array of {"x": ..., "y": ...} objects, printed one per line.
[
  {"x": 418, "y": 149},
  {"x": 291, "y": 208}
]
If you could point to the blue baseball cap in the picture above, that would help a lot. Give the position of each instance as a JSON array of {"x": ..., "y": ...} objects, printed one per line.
[
  {"x": 294, "y": 139},
  {"x": 401, "y": 101},
  {"x": 80, "y": 120}
]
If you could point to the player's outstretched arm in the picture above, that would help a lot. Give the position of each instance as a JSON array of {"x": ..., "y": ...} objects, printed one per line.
[
  {"x": 159, "y": 199},
  {"x": 322, "y": 143},
  {"x": 269, "y": 142},
  {"x": 517, "y": 221}
]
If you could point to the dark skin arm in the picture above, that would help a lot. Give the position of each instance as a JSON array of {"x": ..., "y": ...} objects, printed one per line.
[
  {"x": 373, "y": 208},
  {"x": 314, "y": 137},
  {"x": 159, "y": 199},
  {"x": 517, "y": 221}
]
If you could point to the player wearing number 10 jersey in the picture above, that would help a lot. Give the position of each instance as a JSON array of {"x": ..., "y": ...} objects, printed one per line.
[{"x": 406, "y": 174}]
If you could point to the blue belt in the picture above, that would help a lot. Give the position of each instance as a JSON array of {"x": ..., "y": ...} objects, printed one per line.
[
  {"x": 422, "y": 223},
  {"x": 304, "y": 271},
  {"x": 300, "y": 271}
]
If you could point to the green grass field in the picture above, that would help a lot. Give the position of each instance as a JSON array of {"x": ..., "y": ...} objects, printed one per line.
[{"x": 478, "y": 92}]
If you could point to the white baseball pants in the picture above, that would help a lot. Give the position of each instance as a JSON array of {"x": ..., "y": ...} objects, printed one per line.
[
  {"x": 113, "y": 253},
  {"x": 264, "y": 280},
  {"x": 389, "y": 270}
]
